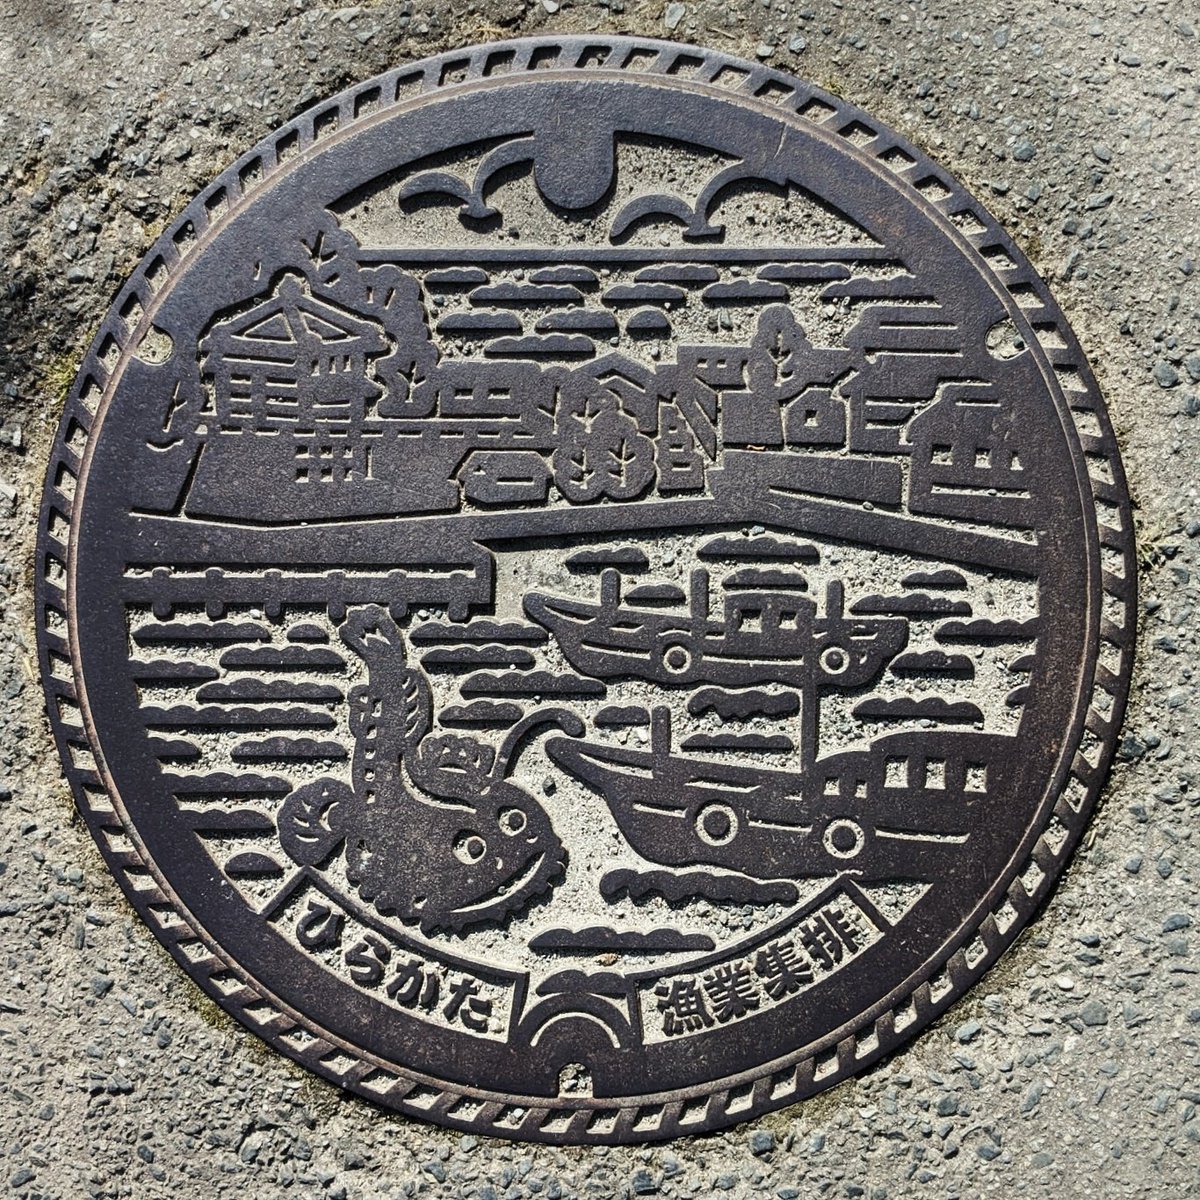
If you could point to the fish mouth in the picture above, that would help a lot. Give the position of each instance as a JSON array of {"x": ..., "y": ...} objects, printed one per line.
[
  {"x": 514, "y": 885},
  {"x": 534, "y": 880}
]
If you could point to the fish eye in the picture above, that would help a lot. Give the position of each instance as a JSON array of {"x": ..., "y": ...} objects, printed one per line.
[
  {"x": 512, "y": 821},
  {"x": 469, "y": 847}
]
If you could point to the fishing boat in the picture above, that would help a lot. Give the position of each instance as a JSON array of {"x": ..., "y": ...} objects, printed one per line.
[
  {"x": 765, "y": 634},
  {"x": 851, "y": 813}
]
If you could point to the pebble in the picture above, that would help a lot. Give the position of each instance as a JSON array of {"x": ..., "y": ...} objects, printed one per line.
[
  {"x": 762, "y": 1141},
  {"x": 675, "y": 13},
  {"x": 1165, "y": 374},
  {"x": 967, "y": 1032},
  {"x": 643, "y": 1183}
]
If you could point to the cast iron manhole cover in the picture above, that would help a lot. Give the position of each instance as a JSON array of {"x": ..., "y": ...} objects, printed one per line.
[{"x": 586, "y": 589}]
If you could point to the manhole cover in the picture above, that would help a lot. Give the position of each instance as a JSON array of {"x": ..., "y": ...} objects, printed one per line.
[{"x": 586, "y": 590}]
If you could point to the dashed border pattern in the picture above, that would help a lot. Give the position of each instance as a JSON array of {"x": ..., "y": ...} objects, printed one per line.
[{"x": 774, "y": 1084}]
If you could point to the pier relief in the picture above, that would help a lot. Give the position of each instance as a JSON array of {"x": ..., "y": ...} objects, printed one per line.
[{"x": 583, "y": 612}]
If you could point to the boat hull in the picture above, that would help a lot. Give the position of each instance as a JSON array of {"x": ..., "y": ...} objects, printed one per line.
[
  {"x": 685, "y": 649},
  {"x": 685, "y": 812}
]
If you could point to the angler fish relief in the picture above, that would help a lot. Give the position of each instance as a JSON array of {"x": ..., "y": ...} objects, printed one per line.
[{"x": 586, "y": 590}]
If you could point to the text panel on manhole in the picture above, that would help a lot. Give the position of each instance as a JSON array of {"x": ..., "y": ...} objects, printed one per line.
[{"x": 598, "y": 596}]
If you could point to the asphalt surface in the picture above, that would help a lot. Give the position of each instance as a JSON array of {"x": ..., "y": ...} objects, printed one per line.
[{"x": 1072, "y": 1069}]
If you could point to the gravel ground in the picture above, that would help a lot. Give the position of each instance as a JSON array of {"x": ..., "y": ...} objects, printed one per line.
[{"x": 1073, "y": 1069}]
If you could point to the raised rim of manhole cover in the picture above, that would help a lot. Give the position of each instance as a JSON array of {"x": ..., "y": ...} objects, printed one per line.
[{"x": 586, "y": 589}]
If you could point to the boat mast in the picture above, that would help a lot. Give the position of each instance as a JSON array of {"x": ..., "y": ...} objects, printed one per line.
[
  {"x": 610, "y": 589},
  {"x": 700, "y": 597},
  {"x": 835, "y": 599},
  {"x": 660, "y": 733}
]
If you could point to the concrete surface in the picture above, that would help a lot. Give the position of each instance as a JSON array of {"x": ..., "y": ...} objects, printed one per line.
[{"x": 1073, "y": 1069}]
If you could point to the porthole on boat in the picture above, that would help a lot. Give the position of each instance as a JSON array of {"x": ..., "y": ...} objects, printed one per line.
[
  {"x": 844, "y": 839},
  {"x": 676, "y": 659},
  {"x": 717, "y": 824},
  {"x": 834, "y": 660}
]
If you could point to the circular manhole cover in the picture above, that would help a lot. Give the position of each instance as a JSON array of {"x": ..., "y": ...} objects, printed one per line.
[{"x": 586, "y": 589}]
